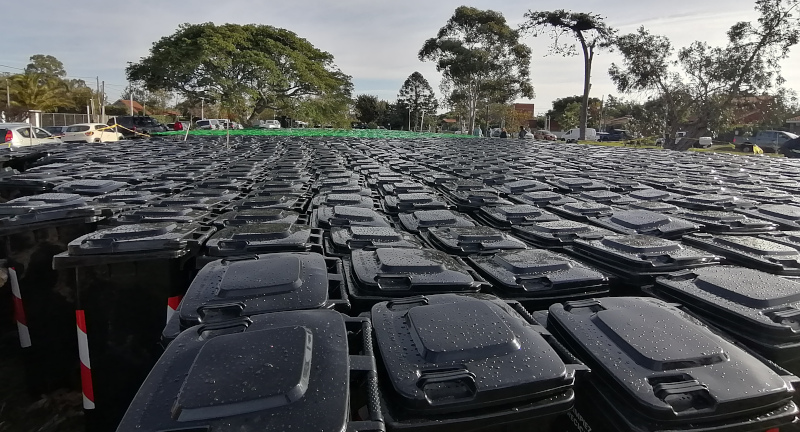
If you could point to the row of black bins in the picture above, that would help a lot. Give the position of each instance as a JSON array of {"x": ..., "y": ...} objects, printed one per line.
[{"x": 457, "y": 381}]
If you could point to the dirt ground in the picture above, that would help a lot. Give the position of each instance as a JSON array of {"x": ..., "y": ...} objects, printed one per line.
[{"x": 19, "y": 412}]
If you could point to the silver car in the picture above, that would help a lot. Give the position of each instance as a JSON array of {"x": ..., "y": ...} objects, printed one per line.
[{"x": 23, "y": 134}]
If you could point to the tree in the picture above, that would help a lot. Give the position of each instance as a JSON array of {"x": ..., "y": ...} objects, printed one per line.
[
  {"x": 479, "y": 57},
  {"x": 260, "y": 66},
  {"x": 29, "y": 93},
  {"x": 589, "y": 29},
  {"x": 570, "y": 116},
  {"x": 646, "y": 67},
  {"x": 46, "y": 66},
  {"x": 714, "y": 79},
  {"x": 561, "y": 104},
  {"x": 418, "y": 97},
  {"x": 368, "y": 108}
]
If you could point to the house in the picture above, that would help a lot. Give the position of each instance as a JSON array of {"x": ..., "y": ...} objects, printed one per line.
[
  {"x": 125, "y": 103},
  {"x": 794, "y": 125},
  {"x": 449, "y": 124}
]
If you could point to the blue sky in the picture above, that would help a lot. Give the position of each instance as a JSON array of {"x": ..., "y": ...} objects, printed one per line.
[{"x": 376, "y": 42}]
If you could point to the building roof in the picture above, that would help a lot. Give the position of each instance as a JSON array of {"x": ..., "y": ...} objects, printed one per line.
[
  {"x": 449, "y": 120},
  {"x": 127, "y": 104},
  {"x": 794, "y": 120},
  {"x": 523, "y": 107}
]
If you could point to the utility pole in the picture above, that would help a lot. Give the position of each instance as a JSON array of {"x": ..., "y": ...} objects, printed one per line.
[
  {"x": 202, "y": 108},
  {"x": 8, "y": 95},
  {"x": 131, "y": 99},
  {"x": 103, "y": 102},
  {"x": 99, "y": 102},
  {"x": 409, "y": 119}
]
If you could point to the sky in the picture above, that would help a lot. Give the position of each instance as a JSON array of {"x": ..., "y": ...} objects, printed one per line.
[{"x": 374, "y": 41}]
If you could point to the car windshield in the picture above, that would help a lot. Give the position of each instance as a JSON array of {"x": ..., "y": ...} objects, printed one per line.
[{"x": 78, "y": 128}]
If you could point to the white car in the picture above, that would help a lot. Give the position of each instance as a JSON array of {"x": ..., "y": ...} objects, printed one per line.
[
  {"x": 91, "y": 133},
  {"x": 208, "y": 124},
  {"x": 270, "y": 124},
  {"x": 23, "y": 134}
]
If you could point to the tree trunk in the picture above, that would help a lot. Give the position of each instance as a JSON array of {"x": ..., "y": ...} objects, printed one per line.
[{"x": 588, "y": 53}]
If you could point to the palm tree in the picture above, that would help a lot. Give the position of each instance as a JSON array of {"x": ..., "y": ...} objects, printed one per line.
[{"x": 33, "y": 91}]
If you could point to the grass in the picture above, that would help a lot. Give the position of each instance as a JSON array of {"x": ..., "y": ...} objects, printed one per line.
[{"x": 719, "y": 148}]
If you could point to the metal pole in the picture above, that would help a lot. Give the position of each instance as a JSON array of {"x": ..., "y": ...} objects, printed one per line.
[
  {"x": 131, "y": 99},
  {"x": 97, "y": 112},
  {"x": 103, "y": 102},
  {"x": 409, "y": 119},
  {"x": 8, "y": 95},
  {"x": 202, "y": 108}
]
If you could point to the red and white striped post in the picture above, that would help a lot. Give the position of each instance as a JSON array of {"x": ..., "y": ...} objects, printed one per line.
[
  {"x": 86, "y": 366},
  {"x": 172, "y": 306},
  {"x": 19, "y": 311}
]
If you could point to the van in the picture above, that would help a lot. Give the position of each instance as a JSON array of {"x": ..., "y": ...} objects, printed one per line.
[
  {"x": 208, "y": 124},
  {"x": 572, "y": 135}
]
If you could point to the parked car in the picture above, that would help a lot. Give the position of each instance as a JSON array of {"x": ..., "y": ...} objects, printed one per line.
[
  {"x": 704, "y": 142},
  {"x": 91, "y": 133},
  {"x": 615, "y": 135},
  {"x": 23, "y": 135},
  {"x": 544, "y": 135},
  {"x": 132, "y": 126},
  {"x": 768, "y": 140},
  {"x": 275, "y": 124},
  {"x": 56, "y": 130},
  {"x": 208, "y": 124},
  {"x": 573, "y": 135},
  {"x": 791, "y": 148}
]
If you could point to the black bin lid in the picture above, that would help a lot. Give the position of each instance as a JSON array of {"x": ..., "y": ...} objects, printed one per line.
[
  {"x": 274, "y": 372},
  {"x": 523, "y": 186},
  {"x": 559, "y": 233},
  {"x": 651, "y": 194},
  {"x": 714, "y": 221},
  {"x": 281, "y": 201},
  {"x": 349, "y": 200},
  {"x": 750, "y": 251},
  {"x": 424, "y": 219},
  {"x": 646, "y": 222},
  {"x": 195, "y": 202},
  {"x": 226, "y": 289},
  {"x": 643, "y": 252},
  {"x": 543, "y": 198},
  {"x": 606, "y": 197},
  {"x": 161, "y": 214},
  {"x": 258, "y": 238},
  {"x": 514, "y": 215},
  {"x": 128, "y": 197},
  {"x": 539, "y": 273},
  {"x": 472, "y": 240},
  {"x": 140, "y": 238},
  {"x": 250, "y": 216},
  {"x": 399, "y": 271},
  {"x": 360, "y": 237},
  {"x": 404, "y": 187},
  {"x": 89, "y": 187},
  {"x": 583, "y": 210},
  {"x": 653, "y": 357},
  {"x": 577, "y": 184},
  {"x": 44, "y": 207},
  {"x": 441, "y": 354},
  {"x": 713, "y": 202},
  {"x": 747, "y": 302},
  {"x": 785, "y": 215},
  {"x": 326, "y": 217},
  {"x": 479, "y": 198},
  {"x": 406, "y": 202}
]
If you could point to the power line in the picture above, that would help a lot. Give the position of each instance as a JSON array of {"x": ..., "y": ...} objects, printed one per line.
[{"x": 66, "y": 76}]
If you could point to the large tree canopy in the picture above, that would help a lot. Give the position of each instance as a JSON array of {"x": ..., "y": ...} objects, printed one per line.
[
  {"x": 480, "y": 57},
  {"x": 260, "y": 65},
  {"x": 417, "y": 96},
  {"x": 590, "y": 31}
]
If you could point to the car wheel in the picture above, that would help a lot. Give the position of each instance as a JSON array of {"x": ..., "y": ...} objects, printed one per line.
[{"x": 747, "y": 148}]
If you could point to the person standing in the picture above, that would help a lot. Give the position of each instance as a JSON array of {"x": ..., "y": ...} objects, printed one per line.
[
  {"x": 503, "y": 133},
  {"x": 522, "y": 132},
  {"x": 477, "y": 132}
]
